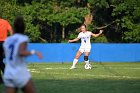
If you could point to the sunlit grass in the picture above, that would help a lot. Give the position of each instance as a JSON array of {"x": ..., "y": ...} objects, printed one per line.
[{"x": 102, "y": 78}]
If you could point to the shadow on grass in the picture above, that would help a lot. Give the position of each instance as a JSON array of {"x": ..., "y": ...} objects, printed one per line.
[{"x": 87, "y": 86}]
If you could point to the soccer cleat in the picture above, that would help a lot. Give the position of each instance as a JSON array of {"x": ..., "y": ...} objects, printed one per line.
[{"x": 72, "y": 67}]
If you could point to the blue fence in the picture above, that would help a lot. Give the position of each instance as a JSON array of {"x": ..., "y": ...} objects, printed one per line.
[{"x": 100, "y": 52}]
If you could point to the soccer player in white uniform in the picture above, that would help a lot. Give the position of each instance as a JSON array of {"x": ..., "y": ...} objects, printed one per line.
[
  {"x": 85, "y": 47},
  {"x": 16, "y": 74}
]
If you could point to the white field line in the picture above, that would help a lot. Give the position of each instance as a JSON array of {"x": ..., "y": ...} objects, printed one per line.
[
  {"x": 89, "y": 75},
  {"x": 34, "y": 70},
  {"x": 116, "y": 65},
  {"x": 124, "y": 68},
  {"x": 97, "y": 76},
  {"x": 93, "y": 68},
  {"x": 51, "y": 68},
  {"x": 57, "y": 68}
]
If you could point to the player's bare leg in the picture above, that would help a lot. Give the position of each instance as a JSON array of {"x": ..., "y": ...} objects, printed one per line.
[
  {"x": 78, "y": 54},
  {"x": 11, "y": 90},
  {"x": 29, "y": 88}
]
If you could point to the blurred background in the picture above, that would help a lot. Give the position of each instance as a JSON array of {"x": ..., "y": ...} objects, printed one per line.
[{"x": 56, "y": 21}]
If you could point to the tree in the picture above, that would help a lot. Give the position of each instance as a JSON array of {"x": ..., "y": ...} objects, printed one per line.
[
  {"x": 62, "y": 15},
  {"x": 47, "y": 18},
  {"x": 127, "y": 15},
  {"x": 119, "y": 18}
]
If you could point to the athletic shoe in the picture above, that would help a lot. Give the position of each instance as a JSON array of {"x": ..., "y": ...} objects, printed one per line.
[{"x": 72, "y": 67}]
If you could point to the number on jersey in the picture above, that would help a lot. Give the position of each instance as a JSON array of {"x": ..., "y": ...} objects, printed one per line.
[{"x": 11, "y": 47}]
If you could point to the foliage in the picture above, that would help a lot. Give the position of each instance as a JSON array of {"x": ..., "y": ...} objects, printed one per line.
[
  {"x": 32, "y": 30},
  {"x": 119, "y": 18},
  {"x": 128, "y": 18}
]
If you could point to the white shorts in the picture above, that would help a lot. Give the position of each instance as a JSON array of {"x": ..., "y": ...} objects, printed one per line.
[
  {"x": 82, "y": 50},
  {"x": 16, "y": 83}
]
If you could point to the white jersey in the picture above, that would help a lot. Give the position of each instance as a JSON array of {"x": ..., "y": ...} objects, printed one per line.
[
  {"x": 15, "y": 64},
  {"x": 85, "y": 39}
]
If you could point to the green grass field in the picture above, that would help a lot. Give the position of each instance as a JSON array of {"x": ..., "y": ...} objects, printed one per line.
[{"x": 102, "y": 78}]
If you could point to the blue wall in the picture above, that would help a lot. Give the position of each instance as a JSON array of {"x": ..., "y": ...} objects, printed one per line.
[{"x": 100, "y": 52}]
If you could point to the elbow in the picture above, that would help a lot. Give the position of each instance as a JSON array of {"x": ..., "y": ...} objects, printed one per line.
[{"x": 22, "y": 53}]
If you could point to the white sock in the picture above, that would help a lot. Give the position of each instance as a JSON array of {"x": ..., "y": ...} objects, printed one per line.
[
  {"x": 87, "y": 62},
  {"x": 74, "y": 62}
]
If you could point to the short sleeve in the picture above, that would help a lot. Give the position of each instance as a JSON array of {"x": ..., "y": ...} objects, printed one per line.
[
  {"x": 79, "y": 36},
  {"x": 24, "y": 39},
  {"x": 90, "y": 33}
]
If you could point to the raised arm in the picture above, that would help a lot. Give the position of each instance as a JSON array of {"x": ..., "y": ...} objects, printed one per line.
[
  {"x": 23, "y": 51},
  {"x": 73, "y": 40},
  {"x": 96, "y": 35}
]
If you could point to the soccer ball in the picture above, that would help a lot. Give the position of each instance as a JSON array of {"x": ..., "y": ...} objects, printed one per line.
[{"x": 88, "y": 66}]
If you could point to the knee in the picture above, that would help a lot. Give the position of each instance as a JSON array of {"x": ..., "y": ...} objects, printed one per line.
[{"x": 86, "y": 58}]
